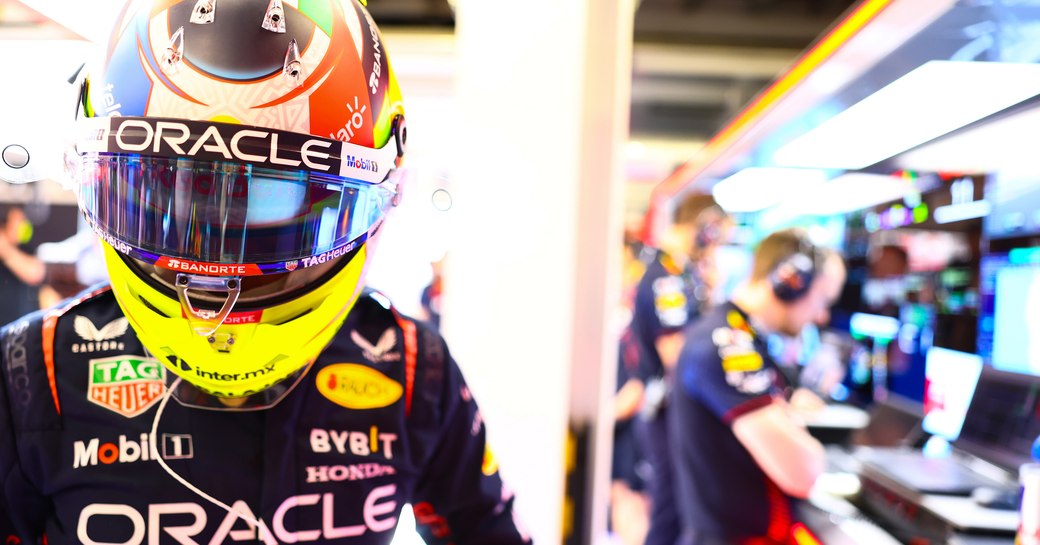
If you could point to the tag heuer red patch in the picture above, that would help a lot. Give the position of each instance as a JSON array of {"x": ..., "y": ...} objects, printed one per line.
[{"x": 128, "y": 385}]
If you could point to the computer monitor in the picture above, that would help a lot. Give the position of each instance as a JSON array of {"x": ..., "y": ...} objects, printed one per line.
[
  {"x": 1016, "y": 319},
  {"x": 950, "y": 379},
  {"x": 989, "y": 266},
  {"x": 1014, "y": 197},
  {"x": 1002, "y": 419}
]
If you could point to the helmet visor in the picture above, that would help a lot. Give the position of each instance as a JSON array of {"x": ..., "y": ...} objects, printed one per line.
[
  {"x": 224, "y": 212},
  {"x": 181, "y": 204}
]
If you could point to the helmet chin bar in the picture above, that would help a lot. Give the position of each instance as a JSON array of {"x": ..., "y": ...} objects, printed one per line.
[{"x": 205, "y": 322}]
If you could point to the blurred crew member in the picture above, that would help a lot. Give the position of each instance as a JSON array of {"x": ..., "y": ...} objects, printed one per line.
[
  {"x": 742, "y": 456},
  {"x": 430, "y": 298},
  {"x": 236, "y": 383},
  {"x": 20, "y": 272},
  {"x": 669, "y": 296},
  {"x": 629, "y": 504}
]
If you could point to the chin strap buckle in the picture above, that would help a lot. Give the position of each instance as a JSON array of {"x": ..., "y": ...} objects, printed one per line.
[{"x": 205, "y": 322}]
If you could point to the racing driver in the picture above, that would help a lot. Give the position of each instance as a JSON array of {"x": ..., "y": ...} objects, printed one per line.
[{"x": 235, "y": 382}]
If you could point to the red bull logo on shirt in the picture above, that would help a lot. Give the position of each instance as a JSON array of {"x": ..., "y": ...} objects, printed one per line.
[{"x": 128, "y": 385}]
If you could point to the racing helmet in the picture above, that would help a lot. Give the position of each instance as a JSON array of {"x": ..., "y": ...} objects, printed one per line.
[{"x": 237, "y": 159}]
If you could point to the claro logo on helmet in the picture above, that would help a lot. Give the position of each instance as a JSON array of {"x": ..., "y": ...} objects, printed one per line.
[
  {"x": 355, "y": 386},
  {"x": 221, "y": 141},
  {"x": 187, "y": 520}
]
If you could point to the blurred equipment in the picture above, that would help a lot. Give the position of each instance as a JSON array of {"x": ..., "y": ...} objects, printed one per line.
[
  {"x": 985, "y": 452},
  {"x": 1014, "y": 312},
  {"x": 934, "y": 499},
  {"x": 25, "y": 159},
  {"x": 894, "y": 422},
  {"x": 950, "y": 379},
  {"x": 39, "y": 101}
]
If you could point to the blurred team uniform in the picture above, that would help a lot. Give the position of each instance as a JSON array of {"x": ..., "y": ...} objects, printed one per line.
[
  {"x": 666, "y": 301},
  {"x": 725, "y": 371},
  {"x": 628, "y": 462}
]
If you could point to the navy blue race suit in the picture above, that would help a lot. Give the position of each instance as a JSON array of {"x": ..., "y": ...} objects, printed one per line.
[
  {"x": 725, "y": 371},
  {"x": 666, "y": 301},
  {"x": 628, "y": 462},
  {"x": 77, "y": 460}
]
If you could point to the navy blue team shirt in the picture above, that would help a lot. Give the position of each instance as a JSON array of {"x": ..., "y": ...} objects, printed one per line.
[
  {"x": 666, "y": 300},
  {"x": 724, "y": 371}
]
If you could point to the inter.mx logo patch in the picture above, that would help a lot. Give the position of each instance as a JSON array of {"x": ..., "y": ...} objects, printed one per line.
[{"x": 128, "y": 385}]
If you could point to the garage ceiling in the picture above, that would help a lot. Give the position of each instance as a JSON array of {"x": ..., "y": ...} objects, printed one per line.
[{"x": 697, "y": 62}]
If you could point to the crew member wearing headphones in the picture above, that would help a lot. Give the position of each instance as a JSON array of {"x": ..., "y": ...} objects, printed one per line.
[
  {"x": 742, "y": 457},
  {"x": 672, "y": 293}
]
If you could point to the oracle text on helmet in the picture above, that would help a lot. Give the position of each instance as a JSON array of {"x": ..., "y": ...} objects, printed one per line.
[{"x": 246, "y": 145}]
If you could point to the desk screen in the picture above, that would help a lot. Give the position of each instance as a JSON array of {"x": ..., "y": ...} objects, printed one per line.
[{"x": 949, "y": 383}]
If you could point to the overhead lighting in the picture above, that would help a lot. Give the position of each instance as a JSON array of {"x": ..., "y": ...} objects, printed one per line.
[
  {"x": 92, "y": 20},
  {"x": 960, "y": 212},
  {"x": 988, "y": 147},
  {"x": 854, "y": 191},
  {"x": 930, "y": 101},
  {"x": 758, "y": 188}
]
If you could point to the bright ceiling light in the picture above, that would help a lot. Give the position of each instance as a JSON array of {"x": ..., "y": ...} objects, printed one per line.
[
  {"x": 758, "y": 188},
  {"x": 93, "y": 20},
  {"x": 854, "y": 191},
  {"x": 992, "y": 146},
  {"x": 41, "y": 104},
  {"x": 961, "y": 212},
  {"x": 932, "y": 100}
]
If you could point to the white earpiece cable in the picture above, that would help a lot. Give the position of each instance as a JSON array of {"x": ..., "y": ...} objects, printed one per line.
[{"x": 265, "y": 534}]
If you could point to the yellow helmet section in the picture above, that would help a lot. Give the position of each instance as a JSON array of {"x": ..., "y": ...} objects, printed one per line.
[
  {"x": 393, "y": 107},
  {"x": 238, "y": 359}
]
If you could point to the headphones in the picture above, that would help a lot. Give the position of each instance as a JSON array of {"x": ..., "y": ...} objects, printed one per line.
[
  {"x": 709, "y": 226},
  {"x": 793, "y": 275}
]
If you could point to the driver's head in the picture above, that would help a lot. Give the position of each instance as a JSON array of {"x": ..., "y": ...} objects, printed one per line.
[{"x": 238, "y": 158}]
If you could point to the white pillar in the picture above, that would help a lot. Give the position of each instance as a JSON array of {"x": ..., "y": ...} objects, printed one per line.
[{"x": 532, "y": 273}]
